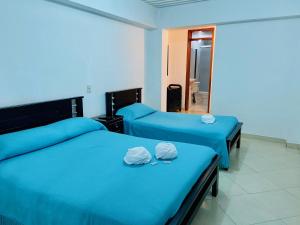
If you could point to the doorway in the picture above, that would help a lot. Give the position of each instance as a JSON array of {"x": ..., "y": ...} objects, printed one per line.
[{"x": 199, "y": 66}]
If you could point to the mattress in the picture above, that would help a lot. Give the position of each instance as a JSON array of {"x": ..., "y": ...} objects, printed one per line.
[
  {"x": 83, "y": 180},
  {"x": 186, "y": 128}
]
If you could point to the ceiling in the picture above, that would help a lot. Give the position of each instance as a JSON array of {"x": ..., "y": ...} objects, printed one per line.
[{"x": 167, "y": 3}]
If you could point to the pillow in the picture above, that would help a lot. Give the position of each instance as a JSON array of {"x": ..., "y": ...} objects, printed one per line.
[
  {"x": 135, "y": 111},
  {"x": 21, "y": 142}
]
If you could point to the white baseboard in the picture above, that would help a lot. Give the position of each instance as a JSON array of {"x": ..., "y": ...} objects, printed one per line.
[
  {"x": 293, "y": 145},
  {"x": 272, "y": 139}
]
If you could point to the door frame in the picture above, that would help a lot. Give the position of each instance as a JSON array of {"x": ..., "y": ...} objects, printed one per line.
[{"x": 188, "y": 62}]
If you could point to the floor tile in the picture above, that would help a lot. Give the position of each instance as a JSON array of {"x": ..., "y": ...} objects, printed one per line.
[
  {"x": 261, "y": 207},
  {"x": 240, "y": 169},
  {"x": 265, "y": 147},
  {"x": 262, "y": 187},
  {"x": 254, "y": 183},
  {"x": 294, "y": 191},
  {"x": 267, "y": 156},
  {"x": 245, "y": 210},
  {"x": 276, "y": 222},
  {"x": 280, "y": 203},
  {"x": 292, "y": 221},
  {"x": 293, "y": 150},
  {"x": 284, "y": 178},
  {"x": 228, "y": 187},
  {"x": 237, "y": 164},
  {"x": 287, "y": 158},
  {"x": 211, "y": 213},
  {"x": 262, "y": 163}
]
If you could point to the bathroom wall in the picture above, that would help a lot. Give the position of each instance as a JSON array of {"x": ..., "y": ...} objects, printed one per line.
[
  {"x": 204, "y": 68},
  {"x": 177, "y": 59},
  {"x": 202, "y": 64},
  {"x": 50, "y": 51}
]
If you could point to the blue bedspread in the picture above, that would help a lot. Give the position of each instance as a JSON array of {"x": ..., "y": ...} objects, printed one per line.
[
  {"x": 184, "y": 128},
  {"x": 84, "y": 181}
]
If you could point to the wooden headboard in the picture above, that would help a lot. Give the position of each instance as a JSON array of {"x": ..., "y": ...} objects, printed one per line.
[
  {"x": 16, "y": 118},
  {"x": 119, "y": 99}
]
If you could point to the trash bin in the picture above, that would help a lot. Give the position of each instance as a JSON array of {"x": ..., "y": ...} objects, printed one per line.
[{"x": 174, "y": 93}]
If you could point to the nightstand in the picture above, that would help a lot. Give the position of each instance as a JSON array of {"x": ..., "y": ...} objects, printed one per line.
[{"x": 114, "y": 124}]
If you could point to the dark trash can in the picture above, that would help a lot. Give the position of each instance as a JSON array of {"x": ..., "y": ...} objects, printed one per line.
[{"x": 174, "y": 93}]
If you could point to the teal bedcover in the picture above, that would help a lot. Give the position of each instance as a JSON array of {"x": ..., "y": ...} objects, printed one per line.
[
  {"x": 182, "y": 127},
  {"x": 83, "y": 181}
]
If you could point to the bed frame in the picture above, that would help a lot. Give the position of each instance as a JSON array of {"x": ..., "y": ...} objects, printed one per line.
[
  {"x": 119, "y": 99},
  {"x": 22, "y": 117},
  {"x": 27, "y": 116}
]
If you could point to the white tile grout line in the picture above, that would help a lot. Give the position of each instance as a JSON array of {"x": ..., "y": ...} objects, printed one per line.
[
  {"x": 254, "y": 171},
  {"x": 290, "y": 217},
  {"x": 286, "y": 189},
  {"x": 233, "y": 221},
  {"x": 269, "y": 221},
  {"x": 246, "y": 193},
  {"x": 279, "y": 219}
]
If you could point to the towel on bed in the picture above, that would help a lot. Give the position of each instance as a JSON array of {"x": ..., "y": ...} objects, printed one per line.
[
  {"x": 208, "y": 118},
  {"x": 137, "y": 156},
  {"x": 165, "y": 150}
]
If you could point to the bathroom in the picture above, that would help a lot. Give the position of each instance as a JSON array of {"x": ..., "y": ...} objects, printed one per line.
[
  {"x": 200, "y": 70},
  {"x": 190, "y": 63}
]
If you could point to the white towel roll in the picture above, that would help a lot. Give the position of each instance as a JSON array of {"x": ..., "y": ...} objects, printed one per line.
[
  {"x": 165, "y": 150},
  {"x": 137, "y": 156},
  {"x": 208, "y": 119}
]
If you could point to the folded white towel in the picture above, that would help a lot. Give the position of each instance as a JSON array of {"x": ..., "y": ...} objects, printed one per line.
[
  {"x": 165, "y": 150},
  {"x": 208, "y": 118},
  {"x": 137, "y": 156}
]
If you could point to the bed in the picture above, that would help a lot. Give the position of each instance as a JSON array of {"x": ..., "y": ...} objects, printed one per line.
[
  {"x": 221, "y": 136},
  {"x": 68, "y": 170}
]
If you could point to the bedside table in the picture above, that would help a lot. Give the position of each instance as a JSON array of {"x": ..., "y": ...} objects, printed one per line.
[{"x": 114, "y": 124}]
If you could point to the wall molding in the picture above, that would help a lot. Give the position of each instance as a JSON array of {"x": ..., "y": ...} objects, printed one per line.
[
  {"x": 272, "y": 139},
  {"x": 110, "y": 15}
]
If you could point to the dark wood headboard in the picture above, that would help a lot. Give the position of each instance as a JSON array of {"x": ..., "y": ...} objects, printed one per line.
[
  {"x": 16, "y": 118},
  {"x": 119, "y": 99}
]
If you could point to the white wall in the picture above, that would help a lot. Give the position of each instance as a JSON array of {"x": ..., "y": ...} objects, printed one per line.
[
  {"x": 50, "y": 51},
  {"x": 164, "y": 70},
  {"x": 256, "y": 76},
  {"x": 256, "y": 72},
  {"x": 153, "y": 69}
]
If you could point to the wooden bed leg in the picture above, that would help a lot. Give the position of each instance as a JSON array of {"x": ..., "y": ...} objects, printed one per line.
[
  {"x": 215, "y": 186},
  {"x": 238, "y": 143},
  {"x": 215, "y": 189},
  {"x": 228, "y": 146}
]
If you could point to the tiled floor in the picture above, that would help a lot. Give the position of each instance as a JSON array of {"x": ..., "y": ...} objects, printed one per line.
[
  {"x": 262, "y": 187},
  {"x": 201, "y": 103}
]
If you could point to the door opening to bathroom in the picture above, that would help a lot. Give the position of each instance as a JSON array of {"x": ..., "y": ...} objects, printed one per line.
[{"x": 200, "y": 51}]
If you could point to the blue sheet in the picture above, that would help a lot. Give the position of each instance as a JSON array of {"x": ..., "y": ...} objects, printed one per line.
[
  {"x": 84, "y": 181},
  {"x": 183, "y": 128},
  {"x": 21, "y": 142}
]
